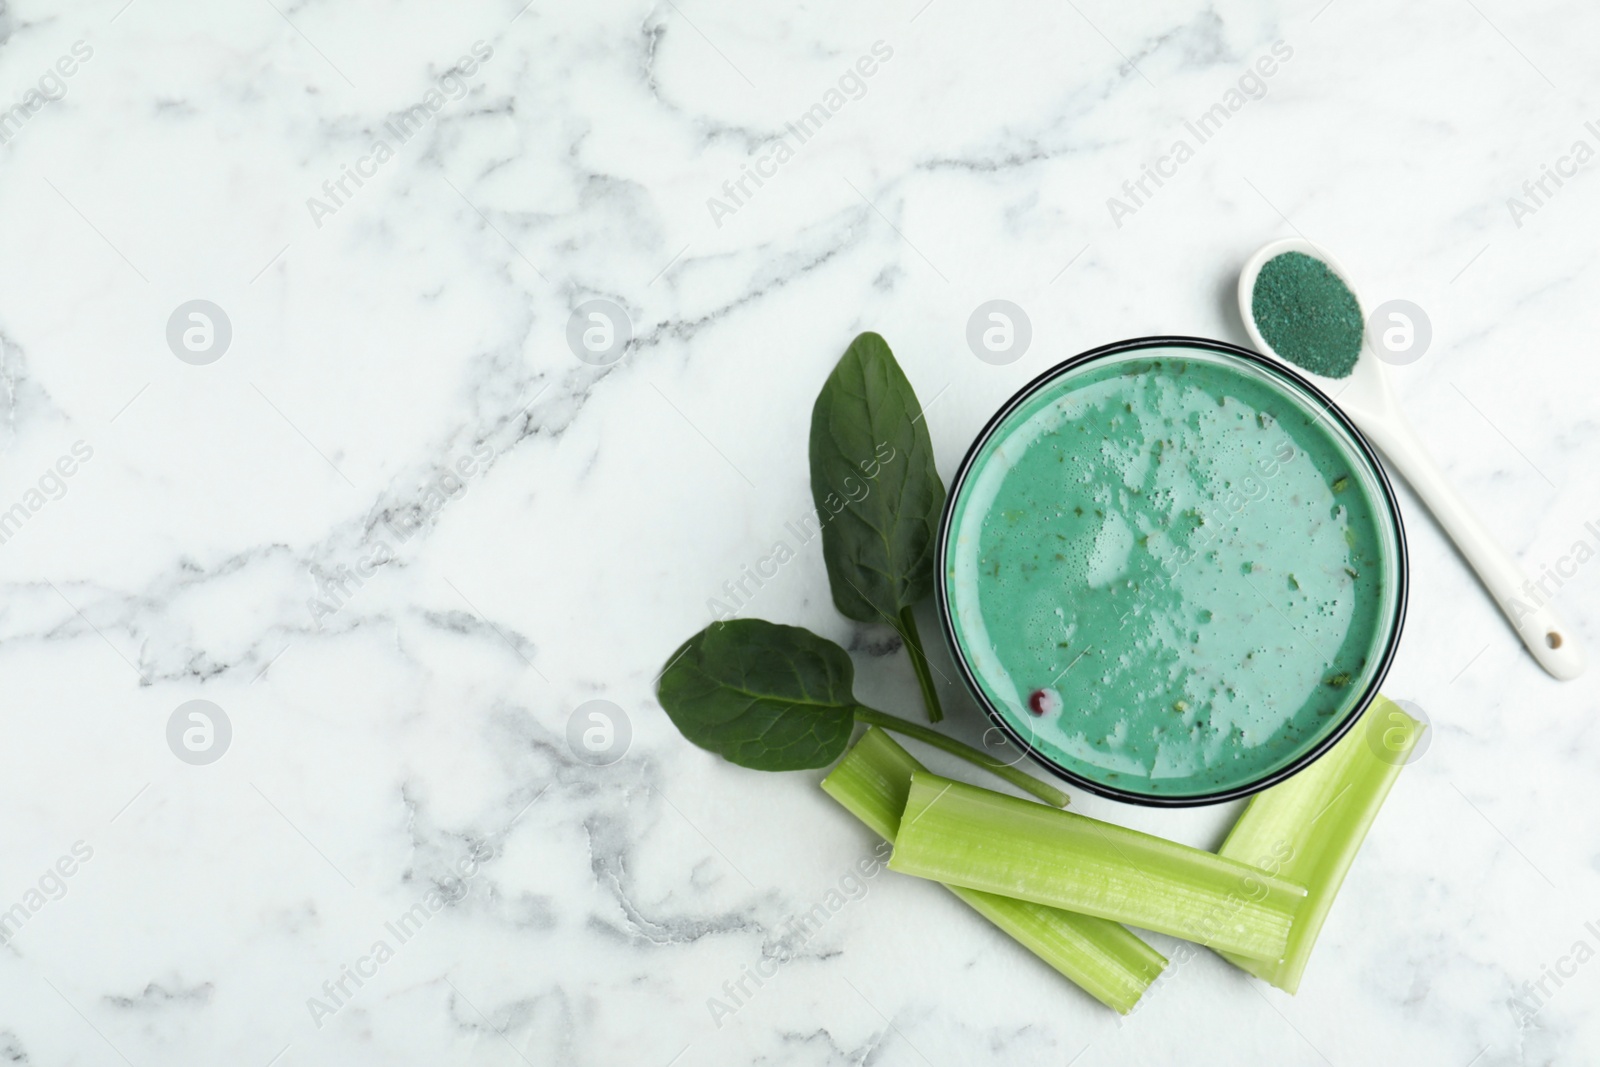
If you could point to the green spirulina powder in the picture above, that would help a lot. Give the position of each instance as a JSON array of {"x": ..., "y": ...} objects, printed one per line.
[{"x": 1307, "y": 314}]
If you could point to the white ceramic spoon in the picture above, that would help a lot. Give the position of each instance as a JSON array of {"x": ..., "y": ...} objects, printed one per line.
[{"x": 1366, "y": 397}]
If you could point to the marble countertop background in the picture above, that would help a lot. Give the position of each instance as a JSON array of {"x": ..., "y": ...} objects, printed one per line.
[{"x": 373, "y": 508}]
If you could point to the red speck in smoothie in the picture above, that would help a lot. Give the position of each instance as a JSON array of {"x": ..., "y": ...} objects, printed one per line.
[{"x": 1044, "y": 702}]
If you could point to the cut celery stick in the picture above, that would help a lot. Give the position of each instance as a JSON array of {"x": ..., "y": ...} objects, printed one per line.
[
  {"x": 1309, "y": 828},
  {"x": 872, "y": 781},
  {"x": 1101, "y": 957},
  {"x": 962, "y": 835},
  {"x": 1108, "y": 962}
]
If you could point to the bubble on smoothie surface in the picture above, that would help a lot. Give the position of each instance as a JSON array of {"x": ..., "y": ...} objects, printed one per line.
[{"x": 1307, "y": 314}]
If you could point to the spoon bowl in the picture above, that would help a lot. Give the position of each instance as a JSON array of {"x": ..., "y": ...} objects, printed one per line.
[{"x": 1367, "y": 386}]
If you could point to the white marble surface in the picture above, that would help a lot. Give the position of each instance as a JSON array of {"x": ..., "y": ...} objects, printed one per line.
[{"x": 381, "y": 747}]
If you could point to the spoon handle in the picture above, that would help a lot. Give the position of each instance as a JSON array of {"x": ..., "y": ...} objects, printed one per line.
[{"x": 1524, "y": 604}]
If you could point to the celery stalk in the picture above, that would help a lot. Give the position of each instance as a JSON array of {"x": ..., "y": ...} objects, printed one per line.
[
  {"x": 1309, "y": 828},
  {"x": 1108, "y": 962},
  {"x": 962, "y": 835}
]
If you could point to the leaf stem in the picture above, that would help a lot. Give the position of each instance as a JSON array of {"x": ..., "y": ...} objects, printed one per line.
[
  {"x": 1026, "y": 782},
  {"x": 919, "y": 663}
]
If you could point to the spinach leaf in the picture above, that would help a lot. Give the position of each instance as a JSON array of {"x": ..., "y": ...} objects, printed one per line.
[
  {"x": 874, "y": 484},
  {"x": 877, "y": 494},
  {"x": 774, "y": 698},
  {"x": 778, "y": 698}
]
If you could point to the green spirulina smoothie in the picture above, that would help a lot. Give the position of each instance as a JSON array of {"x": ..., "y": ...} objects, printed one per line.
[{"x": 1171, "y": 575}]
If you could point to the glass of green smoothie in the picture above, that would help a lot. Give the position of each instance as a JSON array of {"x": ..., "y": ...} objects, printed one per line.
[{"x": 1172, "y": 571}]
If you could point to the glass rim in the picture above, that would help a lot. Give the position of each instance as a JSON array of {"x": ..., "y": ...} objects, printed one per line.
[{"x": 1363, "y": 450}]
